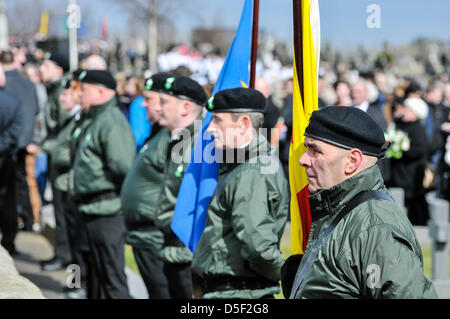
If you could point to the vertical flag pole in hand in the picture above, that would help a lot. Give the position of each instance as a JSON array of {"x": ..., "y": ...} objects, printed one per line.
[
  {"x": 254, "y": 54},
  {"x": 200, "y": 179},
  {"x": 305, "y": 101}
]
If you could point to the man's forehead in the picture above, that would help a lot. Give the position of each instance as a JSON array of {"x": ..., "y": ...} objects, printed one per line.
[
  {"x": 151, "y": 94},
  {"x": 312, "y": 142},
  {"x": 221, "y": 116}
]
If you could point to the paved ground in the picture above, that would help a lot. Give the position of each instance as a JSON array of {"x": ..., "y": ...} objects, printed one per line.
[{"x": 35, "y": 247}]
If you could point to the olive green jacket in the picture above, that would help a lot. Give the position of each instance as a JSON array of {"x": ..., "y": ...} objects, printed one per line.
[
  {"x": 177, "y": 159},
  {"x": 59, "y": 151},
  {"x": 141, "y": 190},
  {"x": 245, "y": 222},
  {"x": 55, "y": 116},
  {"x": 373, "y": 252},
  {"x": 103, "y": 157}
]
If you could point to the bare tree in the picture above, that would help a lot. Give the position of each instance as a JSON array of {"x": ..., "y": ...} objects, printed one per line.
[{"x": 152, "y": 12}]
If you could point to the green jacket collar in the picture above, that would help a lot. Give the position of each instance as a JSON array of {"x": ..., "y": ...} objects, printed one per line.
[
  {"x": 95, "y": 110},
  {"x": 176, "y": 137},
  {"x": 54, "y": 86},
  {"x": 331, "y": 201},
  {"x": 258, "y": 146}
]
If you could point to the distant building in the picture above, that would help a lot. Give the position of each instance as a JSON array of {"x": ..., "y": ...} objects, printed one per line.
[{"x": 212, "y": 39}]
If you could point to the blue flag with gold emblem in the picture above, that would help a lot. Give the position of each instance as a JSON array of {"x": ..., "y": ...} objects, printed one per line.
[{"x": 200, "y": 179}]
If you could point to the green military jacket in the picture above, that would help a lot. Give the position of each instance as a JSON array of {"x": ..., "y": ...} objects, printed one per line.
[
  {"x": 245, "y": 222},
  {"x": 141, "y": 190},
  {"x": 104, "y": 155},
  {"x": 55, "y": 116},
  {"x": 177, "y": 158},
  {"x": 373, "y": 252},
  {"x": 59, "y": 151}
]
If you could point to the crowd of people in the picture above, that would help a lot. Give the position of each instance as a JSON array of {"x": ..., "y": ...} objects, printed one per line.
[{"x": 102, "y": 143}]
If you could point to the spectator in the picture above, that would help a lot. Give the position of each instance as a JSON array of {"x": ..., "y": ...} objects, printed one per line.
[
  {"x": 11, "y": 125},
  {"x": 360, "y": 95},
  {"x": 408, "y": 171},
  {"x": 139, "y": 123},
  {"x": 26, "y": 155},
  {"x": 343, "y": 95}
]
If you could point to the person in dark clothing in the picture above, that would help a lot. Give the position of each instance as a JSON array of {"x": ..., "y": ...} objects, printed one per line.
[
  {"x": 26, "y": 92},
  {"x": 272, "y": 112},
  {"x": 286, "y": 135},
  {"x": 11, "y": 126},
  {"x": 408, "y": 171},
  {"x": 140, "y": 196},
  {"x": 433, "y": 97},
  {"x": 443, "y": 170},
  {"x": 53, "y": 71},
  {"x": 360, "y": 95}
]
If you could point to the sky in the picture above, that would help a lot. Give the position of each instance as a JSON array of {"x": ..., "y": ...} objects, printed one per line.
[{"x": 343, "y": 22}]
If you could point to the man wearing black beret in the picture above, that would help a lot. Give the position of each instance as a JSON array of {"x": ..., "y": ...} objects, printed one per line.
[
  {"x": 238, "y": 255},
  {"x": 182, "y": 101},
  {"x": 362, "y": 244},
  {"x": 140, "y": 195},
  {"x": 105, "y": 153}
]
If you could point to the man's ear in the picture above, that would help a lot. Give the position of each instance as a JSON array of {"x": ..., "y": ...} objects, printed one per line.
[
  {"x": 186, "y": 107},
  {"x": 245, "y": 123},
  {"x": 354, "y": 161}
]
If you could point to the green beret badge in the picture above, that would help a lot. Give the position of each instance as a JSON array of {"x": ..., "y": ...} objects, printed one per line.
[
  {"x": 169, "y": 83},
  {"x": 149, "y": 84},
  {"x": 211, "y": 103},
  {"x": 82, "y": 76}
]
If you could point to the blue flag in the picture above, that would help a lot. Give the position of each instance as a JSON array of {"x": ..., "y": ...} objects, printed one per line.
[{"x": 200, "y": 179}]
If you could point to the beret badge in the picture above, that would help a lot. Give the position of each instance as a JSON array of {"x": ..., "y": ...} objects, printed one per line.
[
  {"x": 149, "y": 84},
  {"x": 169, "y": 83},
  {"x": 211, "y": 103}
]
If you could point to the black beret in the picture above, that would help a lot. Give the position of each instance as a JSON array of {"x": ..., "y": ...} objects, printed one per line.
[
  {"x": 185, "y": 88},
  {"x": 76, "y": 74},
  {"x": 66, "y": 84},
  {"x": 347, "y": 127},
  {"x": 239, "y": 100},
  {"x": 157, "y": 82},
  {"x": 59, "y": 59},
  {"x": 98, "y": 77}
]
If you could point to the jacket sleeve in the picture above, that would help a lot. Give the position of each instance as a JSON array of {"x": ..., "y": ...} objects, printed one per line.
[
  {"x": 10, "y": 136},
  {"x": 120, "y": 150},
  {"x": 388, "y": 266},
  {"x": 255, "y": 225}
]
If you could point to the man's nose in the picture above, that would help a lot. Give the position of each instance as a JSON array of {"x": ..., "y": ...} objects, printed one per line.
[
  {"x": 304, "y": 160},
  {"x": 211, "y": 128}
]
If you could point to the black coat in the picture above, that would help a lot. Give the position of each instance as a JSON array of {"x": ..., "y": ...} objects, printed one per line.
[
  {"x": 26, "y": 92},
  {"x": 408, "y": 171},
  {"x": 11, "y": 123}
]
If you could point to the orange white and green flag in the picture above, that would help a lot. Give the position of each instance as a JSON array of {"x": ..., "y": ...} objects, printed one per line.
[{"x": 305, "y": 101}]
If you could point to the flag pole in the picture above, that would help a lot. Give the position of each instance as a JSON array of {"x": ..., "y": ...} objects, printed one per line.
[
  {"x": 298, "y": 43},
  {"x": 254, "y": 50}
]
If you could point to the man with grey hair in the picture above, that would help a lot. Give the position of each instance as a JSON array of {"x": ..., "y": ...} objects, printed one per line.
[
  {"x": 361, "y": 244},
  {"x": 238, "y": 254}
]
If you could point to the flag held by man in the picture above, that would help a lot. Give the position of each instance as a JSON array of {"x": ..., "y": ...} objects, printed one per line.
[
  {"x": 200, "y": 179},
  {"x": 305, "y": 101}
]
